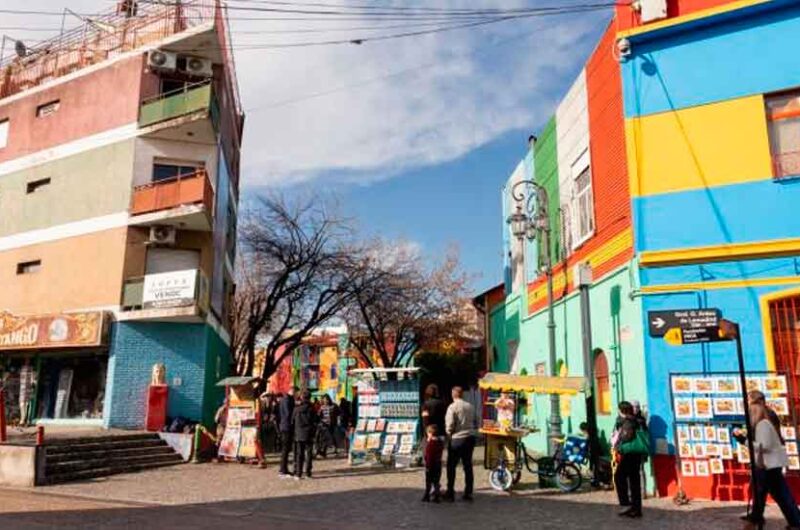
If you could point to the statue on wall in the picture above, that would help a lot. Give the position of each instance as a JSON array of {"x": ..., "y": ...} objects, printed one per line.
[{"x": 159, "y": 376}]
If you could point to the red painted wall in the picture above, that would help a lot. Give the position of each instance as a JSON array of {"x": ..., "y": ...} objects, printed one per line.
[
  {"x": 90, "y": 104},
  {"x": 675, "y": 8},
  {"x": 612, "y": 207}
]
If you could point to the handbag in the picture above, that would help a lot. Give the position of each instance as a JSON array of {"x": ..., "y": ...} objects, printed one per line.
[{"x": 639, "y": 445}]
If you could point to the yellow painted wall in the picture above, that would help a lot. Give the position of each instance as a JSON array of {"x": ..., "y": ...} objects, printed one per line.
[
  {"x": 77, "y": 272},
  {"x": 699, "y": 147}
]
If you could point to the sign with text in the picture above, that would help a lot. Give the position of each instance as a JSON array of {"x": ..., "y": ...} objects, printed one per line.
[
  {"x": 659, "y": 322},
  {"x": 170, "y": 289},
  {"x": 51, "y": 331}
]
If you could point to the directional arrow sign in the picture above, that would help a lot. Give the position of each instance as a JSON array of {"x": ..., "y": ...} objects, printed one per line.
[{"x": 659, "y": 322}]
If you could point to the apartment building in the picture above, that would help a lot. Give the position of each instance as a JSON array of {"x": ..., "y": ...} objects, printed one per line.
[{"x": 119, "y": 183}]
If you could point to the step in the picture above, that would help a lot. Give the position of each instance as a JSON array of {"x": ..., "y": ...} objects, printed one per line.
[
  {"x": 52, "y": 470},
  {"x": 104, "y": 446},
  {"x": 104, "y": 453},
  {"x": 105, "y": 471},
  {"x": 60, "y": 442}
]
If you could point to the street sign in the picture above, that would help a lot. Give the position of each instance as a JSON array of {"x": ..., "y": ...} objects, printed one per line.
[{"x": 659, "y": 322}]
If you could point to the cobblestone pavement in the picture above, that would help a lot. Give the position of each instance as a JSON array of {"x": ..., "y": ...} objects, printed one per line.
[{"x": 229, "y": 495}]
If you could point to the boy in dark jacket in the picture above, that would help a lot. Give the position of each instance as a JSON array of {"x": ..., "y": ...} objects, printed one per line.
[
  {"x": 305, "y": 425},
  {"x": 286, "y": 427},
  {"x": 434, "y": 446}
]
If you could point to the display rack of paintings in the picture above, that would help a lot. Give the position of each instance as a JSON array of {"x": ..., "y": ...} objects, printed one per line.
[{"x": 708, "y": 407}]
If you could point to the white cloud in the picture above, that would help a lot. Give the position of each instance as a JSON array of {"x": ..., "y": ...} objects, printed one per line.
[{"x": 457, "y": 90}]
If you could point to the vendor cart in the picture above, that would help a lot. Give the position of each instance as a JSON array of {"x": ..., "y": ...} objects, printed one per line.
[
  {"x": 241, "y": 439},
  {"x": 503, "y": 398}
]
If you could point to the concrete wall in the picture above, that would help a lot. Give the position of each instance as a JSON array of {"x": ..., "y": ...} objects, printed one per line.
[
  {"x": 135, "y": 348},
  {"x": 76, "y": 272},
  {"x": 17, "y": 466},
  {"x": 91, "y": 184},
  {"x": 149, "y": 149}
]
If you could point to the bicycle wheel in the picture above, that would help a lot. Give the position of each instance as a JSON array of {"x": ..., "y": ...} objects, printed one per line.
[
  {"x": 501, "y": 479},
  {"x": 568, "y": 477}
]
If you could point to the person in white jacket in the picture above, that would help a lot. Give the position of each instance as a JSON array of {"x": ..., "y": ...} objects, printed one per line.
[{"x": 770, "y": 459}]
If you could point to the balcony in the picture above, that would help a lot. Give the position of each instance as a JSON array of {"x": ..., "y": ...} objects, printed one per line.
[
  {"x": 786, "y": 166},
  {"x": 169, "y": 296},
  {"x": 189, "y": 100},
  {"x": 185, "y": 202}
]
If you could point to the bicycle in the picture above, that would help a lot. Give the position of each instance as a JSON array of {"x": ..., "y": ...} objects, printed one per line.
[{"x": 568, "y": 476}]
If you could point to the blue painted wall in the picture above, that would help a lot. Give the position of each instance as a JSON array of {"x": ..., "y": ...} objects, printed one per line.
[
  {"x": 754, "y": 211},
  {"x": 752, "y": 55},
  {"x": 135, "y": 348}
]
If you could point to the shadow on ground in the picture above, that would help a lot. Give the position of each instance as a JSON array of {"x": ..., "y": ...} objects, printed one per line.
[{"x": 380, "y": 508}]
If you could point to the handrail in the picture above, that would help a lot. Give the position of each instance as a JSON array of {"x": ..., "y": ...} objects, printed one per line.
[
  {"x": 185, "y": 90},
  {"x": 200, "y": 172}
]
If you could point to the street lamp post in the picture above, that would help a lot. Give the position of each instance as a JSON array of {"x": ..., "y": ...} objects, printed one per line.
[{"x": 526, "y": 225}]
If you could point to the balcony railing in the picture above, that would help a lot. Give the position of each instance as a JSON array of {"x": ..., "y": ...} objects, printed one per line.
[
  {"x": 168, "y": 290},
  {"x": 786, "y": 165},
  {"x": 175, "y": 104},
  {"x": 180, "y": 191}
]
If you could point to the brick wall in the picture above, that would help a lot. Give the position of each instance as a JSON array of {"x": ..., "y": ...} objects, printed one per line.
[{"x": 135, "y": 348}]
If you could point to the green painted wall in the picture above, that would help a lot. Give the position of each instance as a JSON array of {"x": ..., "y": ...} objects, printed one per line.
[
  {"x": 217, "y": 367},
  {"x": 546, "y": 156},
  {"x": 505, "y": 328},
  {"x": 89, "y": 184}
]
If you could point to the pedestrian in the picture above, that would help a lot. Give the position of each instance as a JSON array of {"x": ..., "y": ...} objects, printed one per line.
[
  {"x": 461, "y": 426},
  {"x": 345, "y": 422},
  {"x": 305, "y": 426},
  {"x": 433, "y": 409},
  {"x": 769, "y": 460},
  {"x": 286, "y": 425},
  {"x": 434, "y": 447},
  {"x": 627, "y": 479},
  {"x": 329, "y": 416}
]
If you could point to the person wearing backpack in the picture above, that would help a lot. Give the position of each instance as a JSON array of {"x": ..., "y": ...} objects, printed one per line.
[{"x": 632, "y": 446}]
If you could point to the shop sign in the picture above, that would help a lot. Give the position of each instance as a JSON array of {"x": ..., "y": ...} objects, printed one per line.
[
  {"x": 50, "y": 331},
  {"x": 685, "y": 319},
  {"x": 170, "y": 289}
]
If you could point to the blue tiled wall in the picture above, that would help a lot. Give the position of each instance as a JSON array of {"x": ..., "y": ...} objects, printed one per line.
[{"x": 135, "y": 348}]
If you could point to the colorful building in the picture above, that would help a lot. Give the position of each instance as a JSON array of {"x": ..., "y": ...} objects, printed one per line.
[
  {"x": 119, "y": 182},
  {"x": 671, "y": 166}
]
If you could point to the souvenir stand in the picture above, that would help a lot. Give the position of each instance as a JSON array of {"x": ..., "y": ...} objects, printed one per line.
[
  {"x": 504, "y": 397},
  {"x": 707, "y": 408},
  {"x": 387, "y": 416},
  {"x": 241, "y": 441}
]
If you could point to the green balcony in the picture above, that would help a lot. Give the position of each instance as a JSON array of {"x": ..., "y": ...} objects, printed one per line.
[{"x": 173, "y": 105}]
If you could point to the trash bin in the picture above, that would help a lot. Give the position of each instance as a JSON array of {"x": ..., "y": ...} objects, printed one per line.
[{"x": 546, "y": 467}]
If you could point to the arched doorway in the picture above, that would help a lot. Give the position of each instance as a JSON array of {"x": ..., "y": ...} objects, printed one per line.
[{"x": 784, "y": 316}]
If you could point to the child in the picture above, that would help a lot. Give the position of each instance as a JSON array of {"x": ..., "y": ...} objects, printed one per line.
[{"x": 434, "y": 445}]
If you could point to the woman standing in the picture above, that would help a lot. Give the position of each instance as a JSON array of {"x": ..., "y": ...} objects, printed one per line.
[
  {"x": 769, "y": 463},
  {"x": 627, "y": 480}
]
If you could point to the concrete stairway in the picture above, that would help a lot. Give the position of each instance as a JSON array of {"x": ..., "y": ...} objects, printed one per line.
[{"x": 74, "y": 459}]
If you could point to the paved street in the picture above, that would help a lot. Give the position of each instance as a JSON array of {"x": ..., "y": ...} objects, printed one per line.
[{"x": 216, "y": 496}]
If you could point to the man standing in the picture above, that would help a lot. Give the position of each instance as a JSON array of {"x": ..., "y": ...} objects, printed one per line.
[
  {"x": 285, "y": 420},
  {"x": 305, "y": 425},
  {"x": 462, "y": 425},
  {"x": 433, "y": 409}
]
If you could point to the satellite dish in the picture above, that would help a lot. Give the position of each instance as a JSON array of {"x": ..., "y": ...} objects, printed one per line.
[{"x": 20, "y": 48}]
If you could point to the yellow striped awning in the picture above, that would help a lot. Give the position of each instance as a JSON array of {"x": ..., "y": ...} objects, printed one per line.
[{"x": 534, "y": 384}]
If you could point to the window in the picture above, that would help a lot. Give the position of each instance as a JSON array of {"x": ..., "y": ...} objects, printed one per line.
[
  {"x": 173, "y": 170},
  {"x": 783, "y": 123},
  {"x": 583, "y": 201},
  {"x": 602, "y": 386},
  {"x": 29, "y": 267},
  {"x": 3, "y": 133},
  {"x": 37, "y": 185},
  {"x": 48, "y": 108}
]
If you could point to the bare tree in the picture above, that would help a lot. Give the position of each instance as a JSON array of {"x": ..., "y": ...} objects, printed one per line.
[
  {"x": 398, "y": 306},
  {"x": 295, "y": 275}
]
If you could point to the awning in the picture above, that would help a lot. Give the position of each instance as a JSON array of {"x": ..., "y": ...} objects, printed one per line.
[
  {"x": 236, "y": 381},
  {"x": 535, "y": 384}
]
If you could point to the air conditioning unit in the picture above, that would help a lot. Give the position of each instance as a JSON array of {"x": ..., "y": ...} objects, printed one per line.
[
  {"x": 162, "y": 235},
  {"x": 162, "y": 61},
  {"x": 198, "y": 66}
]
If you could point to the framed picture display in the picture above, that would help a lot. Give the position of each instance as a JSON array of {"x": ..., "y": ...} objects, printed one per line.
[
  {"x": 685, "y": 450},
  {"x": 371, "y": 425},
  {"x": 687, "y": 468},
  {"x": 726, "y": 452},
  {"x": 229, "y": 446},
  {"x": 716, "y": 466},
  {"x": 701, "y": 468},
  {"x": 702, "y": 408},
  {"x": 791, "y": 448},
  {"x": 703, "y": 385},
  {"x": 710, "y": 433},
  {"x": 788, "y": 433},
  {"x": 684, "y": 408},
  {"x": 794, "y": 462},
  {"x": 696, "y": 433},
  {"x": 361, "y": 425},
  {"x": 682, "y": 431},
  {"x": 727, "y": 385},
  {"x": 681, "y": 385},
  {"x": 780, "y": 405},
  {"x": 724, "y": 406},
  {"x": 723, "y": 435},
  {"x": 742, "y": 454},
  {"x": 755, "y": 383},
  {"x": 699, "y": 450},
  {"x": 712, "y": 450},
  {"x": 775, "y": 384}
]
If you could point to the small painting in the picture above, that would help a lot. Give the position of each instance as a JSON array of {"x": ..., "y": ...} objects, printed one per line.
[
  {"x": 702, "y": 408},
  {"x": 687, "y": 468},
  {"x": 682, "y": 431},
  {"x": 701, "y": 468},
  {"x": 703, "y": 385},
  {"x": 791, "y": 448},
  {"x": 755, "y": 383},
  {"x": 699, "y": 450},
  {"x": 779, "y": 405},
  {"x": 710, "y": 433},
  {"x": 712, "y": 450},
  {"x": 727, "y": 385},
  {"x": 681, "y": 385},
  {"x": 723, "y": 435},
  {"x": 716, "y": 466},
  {"x": 775, "y": 384},
  {"x": 742, "y": 454},
  {"x": 726, "y": 451},
  {"x": 696, "y": 433},
  {"x": 685, "y": 450},
  {"x": 683, "y": 409},
  {"x": 789, "y": 433},
  {"x": 794, "y": 462},
  {"x": 724, "y": 407}
]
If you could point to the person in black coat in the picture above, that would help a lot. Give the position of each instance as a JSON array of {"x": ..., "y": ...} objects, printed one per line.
[
  {"x": 305, "y": 426},
  {"x": 286, "y": 426}
]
